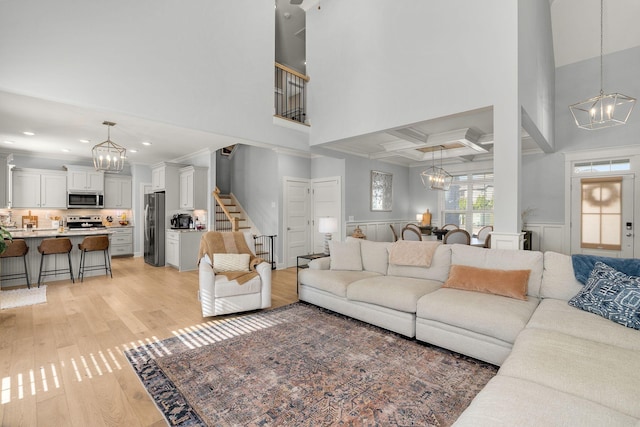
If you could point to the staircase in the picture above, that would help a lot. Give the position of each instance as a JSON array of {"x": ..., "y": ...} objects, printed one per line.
[{"x": 228, "y": 216}]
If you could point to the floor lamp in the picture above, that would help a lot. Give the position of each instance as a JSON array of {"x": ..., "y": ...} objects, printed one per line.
[{"x": 327, "y": 225}]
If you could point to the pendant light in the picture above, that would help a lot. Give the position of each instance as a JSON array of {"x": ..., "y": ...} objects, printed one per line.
[
  {"x": 604, "y": 110},
  {"x": 109, "y": 156},
  {"x": 436, "y": 178}
]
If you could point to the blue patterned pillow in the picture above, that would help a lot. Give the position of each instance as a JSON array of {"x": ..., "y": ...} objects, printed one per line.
[{"x": 612, "y": 295}]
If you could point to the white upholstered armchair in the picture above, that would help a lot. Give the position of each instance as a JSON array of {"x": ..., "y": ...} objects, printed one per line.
[{"x": 218, "y": 294}]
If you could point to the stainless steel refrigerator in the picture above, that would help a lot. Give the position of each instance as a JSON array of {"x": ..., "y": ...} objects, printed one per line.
[{"x": 154, "y": 226}]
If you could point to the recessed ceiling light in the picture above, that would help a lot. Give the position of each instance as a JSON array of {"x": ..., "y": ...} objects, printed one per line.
[
  {"x": 146, "y": 143},
  {"x": 8, "y": 142},
  {"x": 84, "y": 141},
  {"x": 28, "y": 133},
  {"x": 66, "y": 150},
  {"x": 133, "y": 150}
]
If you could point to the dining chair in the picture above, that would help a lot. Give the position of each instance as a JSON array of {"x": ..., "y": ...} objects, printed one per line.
[
  {"x": 410, "y": 233},
  {"x": 393, "y": 231},
  {"x": 449, "y": 227},
  {"x": 457, "y": 236},
  {"x": 484, "y": 232}
]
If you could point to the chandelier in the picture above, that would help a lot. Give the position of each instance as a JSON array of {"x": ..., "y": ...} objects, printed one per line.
[
  {"x": 109, "y": 156},
  {"x": 436, "y": 178},
  {"x": 604, "y": 110}
]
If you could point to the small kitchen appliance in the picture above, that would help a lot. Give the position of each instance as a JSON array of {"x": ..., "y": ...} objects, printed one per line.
[{"x": 181, "y": 221}]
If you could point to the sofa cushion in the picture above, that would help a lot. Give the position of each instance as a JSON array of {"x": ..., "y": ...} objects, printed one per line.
[
  {"x": 508, "y": 283},
  {"x": 332, "y": 281},
  {"x": 226, "y": 288},
  {"x": 398, "y": 293},
  {"x": 558, "y": 280},
  {"x": 590, "y": 370},
  {"x": 611, "y": 294},
  {"x": 375, "y": 256},
  {"x": 508, "y": 402},
  {"x": 557, "y": 315},
  {"x": 439, "y": 270},
  {"x": 502, "y": 259},
  {"x": 491, "y": 315},
  {"x": 345, "y": 256}
]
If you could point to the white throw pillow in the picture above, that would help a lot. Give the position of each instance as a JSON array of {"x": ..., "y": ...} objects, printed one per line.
[
  {"x": 345, "y": 255},
  {"x": 230, "y": 262}
]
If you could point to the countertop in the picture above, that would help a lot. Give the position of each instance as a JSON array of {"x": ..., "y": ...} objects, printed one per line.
[
  {"x": 185, "y": 230},
  {"x": 53, "y": 232}
]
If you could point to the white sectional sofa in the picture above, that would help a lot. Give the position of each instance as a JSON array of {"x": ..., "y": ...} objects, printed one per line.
[{"x": 559, "y": 365}]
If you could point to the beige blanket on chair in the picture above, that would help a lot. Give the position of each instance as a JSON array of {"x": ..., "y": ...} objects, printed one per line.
[
  {"x": 412, "y": 253},
  {"x": 232, "y": 242}
]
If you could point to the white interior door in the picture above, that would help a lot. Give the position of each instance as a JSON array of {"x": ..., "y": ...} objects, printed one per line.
[
  {"x": 297, "y": 215},
  {"x": 326, "y": 194},
  {"x": 626, "y": 225}
]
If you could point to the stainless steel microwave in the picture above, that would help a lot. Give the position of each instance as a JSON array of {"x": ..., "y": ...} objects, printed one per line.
[{"x": 85, "y": 200}]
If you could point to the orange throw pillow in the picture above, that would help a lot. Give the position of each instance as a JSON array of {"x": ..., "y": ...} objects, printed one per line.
[{"x": 508, "y": 283}]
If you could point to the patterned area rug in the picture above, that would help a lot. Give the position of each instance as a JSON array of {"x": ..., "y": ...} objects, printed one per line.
[
  {"x": 305, "y": 366},
  {"x": 22, "y": 297}
]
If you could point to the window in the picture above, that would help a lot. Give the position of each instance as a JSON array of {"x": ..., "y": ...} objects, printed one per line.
[
  {"x": 469, "y": 202},
  {"x": 602, "y": 166},
  {"x": 601, "y": 213}
]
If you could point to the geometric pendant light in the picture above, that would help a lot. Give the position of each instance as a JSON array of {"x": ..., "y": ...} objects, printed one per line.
[
  {"x": 604, "y": 110},
  {"x": 436, "y": 178},
  {"x": 109, "y": 156}
]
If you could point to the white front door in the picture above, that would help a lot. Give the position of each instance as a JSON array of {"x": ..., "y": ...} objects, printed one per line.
[
  {"x": 620, "y": 231},
  {"x": 296, "y": 219},
  {"x": 327, "y": 202}
]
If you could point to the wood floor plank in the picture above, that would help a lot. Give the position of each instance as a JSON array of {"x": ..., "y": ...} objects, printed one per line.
[{"x": 73, "y": 345}]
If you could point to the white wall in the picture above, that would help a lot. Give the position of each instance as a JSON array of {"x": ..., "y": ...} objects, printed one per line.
[
  {"x": 536, "y": 69},
  {"x": 205, "y": 65},
  {"x": 375, "y": 65}
]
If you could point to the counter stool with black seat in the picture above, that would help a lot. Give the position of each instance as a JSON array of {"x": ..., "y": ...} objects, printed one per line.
[
  {"x": 54, "y": 246},
  {"x": 92, "y": 244},
  {"x": 16, "y": 248}
]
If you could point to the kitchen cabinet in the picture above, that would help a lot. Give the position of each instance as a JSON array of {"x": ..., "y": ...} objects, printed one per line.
[
  {"x": 117, "y": 192},
  {"x": 181, "y": 250},
  {"x": 164, "y": 176},
  {"x": 84, "y": 179},
  {"x": 193, "y": 187},
  {"x": 4, "y": 186},
  {"x": 121, "y": 241},
  {"x": 34, "y": 188}
]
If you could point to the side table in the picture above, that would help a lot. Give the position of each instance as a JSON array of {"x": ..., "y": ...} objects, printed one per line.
[{"x": 309, "y": 257}]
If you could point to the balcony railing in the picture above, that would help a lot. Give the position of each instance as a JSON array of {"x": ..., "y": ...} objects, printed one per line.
[{"x": 290, "y": 94}]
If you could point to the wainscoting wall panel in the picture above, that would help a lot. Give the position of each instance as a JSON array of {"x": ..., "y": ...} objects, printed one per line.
[{"x": 545, "y": 237}]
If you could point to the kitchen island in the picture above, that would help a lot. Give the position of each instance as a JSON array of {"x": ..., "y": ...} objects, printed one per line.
[{"x": 59, "y": 261}]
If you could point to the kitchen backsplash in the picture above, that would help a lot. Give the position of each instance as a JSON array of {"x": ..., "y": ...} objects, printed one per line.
[{"x": 45, "y": 216}]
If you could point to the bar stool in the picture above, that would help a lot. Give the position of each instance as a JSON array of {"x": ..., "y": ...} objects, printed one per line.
[
  {"x": 92, "y": 244},
  {"x": 55, "y": 246},
  {"x": 16, "y": 248}
]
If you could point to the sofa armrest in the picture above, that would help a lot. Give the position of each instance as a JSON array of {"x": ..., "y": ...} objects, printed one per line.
[
  {"x": 206, "y": 287},
  {"x": 320, "y": 263},
  {"x": 264, "y": 271}
]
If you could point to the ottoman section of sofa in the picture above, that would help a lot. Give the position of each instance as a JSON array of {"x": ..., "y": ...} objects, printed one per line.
[
  {"x": 508, "y": 402},
  {"x": 598, "y": 372}
]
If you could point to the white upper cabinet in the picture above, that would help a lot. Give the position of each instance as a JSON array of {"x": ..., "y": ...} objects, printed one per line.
[
  {"x": 193, "y": 187},
  {"x": 117, "y": 192},
  {"x": 80, "y": 178},
  {"x": 34, "y": 188}
]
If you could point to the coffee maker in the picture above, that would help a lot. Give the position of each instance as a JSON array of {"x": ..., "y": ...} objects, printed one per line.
[{"x": 181, "y": 221}]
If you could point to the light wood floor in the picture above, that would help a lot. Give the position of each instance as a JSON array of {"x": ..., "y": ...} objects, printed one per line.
[{"x": 62, "y": 363}]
